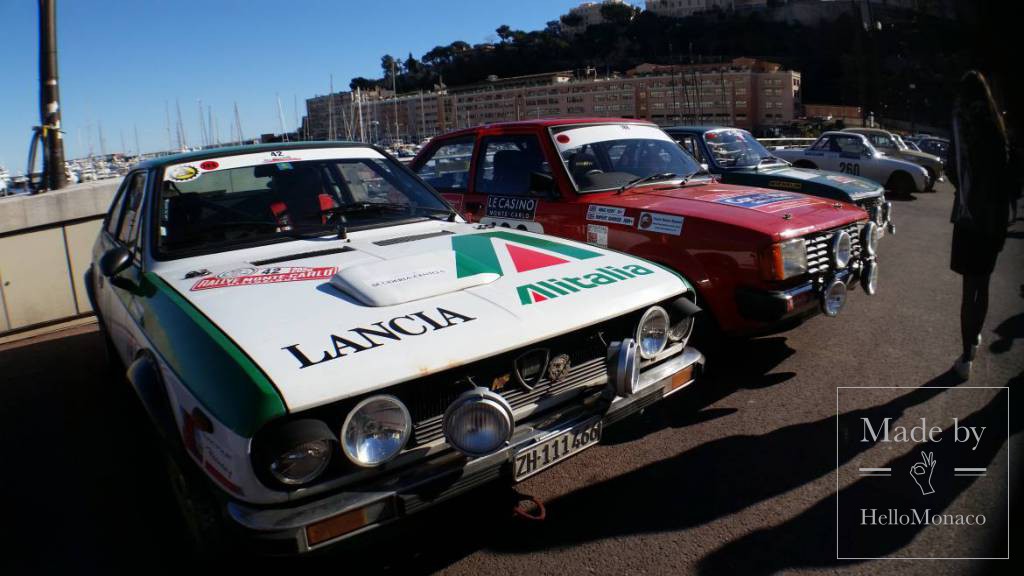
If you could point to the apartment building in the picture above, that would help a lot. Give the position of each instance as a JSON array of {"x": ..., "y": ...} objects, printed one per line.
[
  {"x": 747, "y": 93},
  {"x": 684, "y": 8}
]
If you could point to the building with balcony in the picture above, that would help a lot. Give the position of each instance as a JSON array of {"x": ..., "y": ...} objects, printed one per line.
[{"x": 743, "y": 92}]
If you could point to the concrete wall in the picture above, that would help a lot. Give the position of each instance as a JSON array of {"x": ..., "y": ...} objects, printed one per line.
[{"x": 45, "y": 248}]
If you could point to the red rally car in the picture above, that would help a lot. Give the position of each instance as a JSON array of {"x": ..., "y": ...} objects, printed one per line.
[{"x": 760, "y": 260}]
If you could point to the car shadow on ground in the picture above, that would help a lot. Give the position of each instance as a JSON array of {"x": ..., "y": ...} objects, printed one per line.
[
  {"x": 809, "y": 540},
  {"x": 688, "y": 407},
  {"x": 84, "y": 498},
  {"x": 735, "y": 472}
]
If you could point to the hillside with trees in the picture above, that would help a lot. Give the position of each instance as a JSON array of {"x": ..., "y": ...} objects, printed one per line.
[{"x": 842, "y": 62}]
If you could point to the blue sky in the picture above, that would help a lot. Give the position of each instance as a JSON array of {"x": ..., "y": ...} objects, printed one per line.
[{"x": 121, "y": 60}]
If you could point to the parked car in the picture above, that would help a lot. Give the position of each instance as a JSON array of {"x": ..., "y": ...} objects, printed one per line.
[
  {"x": 892, "y": 145},
  {"x": 760, "y": 260},
  {"x": 934, "y": 146},
  {"x": 736, "y": 157},
  {"x": 327, "y": 347},
  {"x": 852, "y": 153}
]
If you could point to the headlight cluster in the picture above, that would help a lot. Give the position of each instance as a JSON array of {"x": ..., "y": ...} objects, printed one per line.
[{"x": 785, "y": 259}]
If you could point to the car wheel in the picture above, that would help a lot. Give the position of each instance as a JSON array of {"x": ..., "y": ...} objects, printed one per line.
[
  {"x": 901, "y": 184},
  {"x": 932, "y": 177},
  {"x": 198, "y": 508}
]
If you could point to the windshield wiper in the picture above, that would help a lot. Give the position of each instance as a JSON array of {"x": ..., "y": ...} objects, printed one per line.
[{"x": 649, "y": 178}]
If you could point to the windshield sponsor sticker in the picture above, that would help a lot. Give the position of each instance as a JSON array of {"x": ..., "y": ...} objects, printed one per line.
[
  {"x": 183, "y": 173},
  {"x": 256, "y": 276},
  {"x": 511, "y": 207},
  {"x": 378, "y": 334},
  {"x": 552, "y": 288},
  {"x": 597, "y": 234},
  {"x": 610, "y": 214},
  {"x": 661, "y": 223}
]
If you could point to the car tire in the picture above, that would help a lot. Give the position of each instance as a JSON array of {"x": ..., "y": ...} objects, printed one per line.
[
  {"x": 199, "y": 512},
  {"x": 932, "y": 179},
  {"x": 805, "y": 164},
  {"x": 901, "y": 184}
]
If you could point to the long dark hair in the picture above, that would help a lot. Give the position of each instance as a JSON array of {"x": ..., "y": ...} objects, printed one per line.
[{"x": 979, "y": 116}]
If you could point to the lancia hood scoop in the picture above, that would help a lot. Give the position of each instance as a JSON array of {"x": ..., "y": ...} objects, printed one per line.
[{"x": 404, "y": 279}]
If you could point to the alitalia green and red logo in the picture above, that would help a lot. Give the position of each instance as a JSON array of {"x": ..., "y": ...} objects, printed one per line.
[{"x": 476, "y": 254}]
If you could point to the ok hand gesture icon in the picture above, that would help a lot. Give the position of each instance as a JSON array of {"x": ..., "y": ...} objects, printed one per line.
[{"x": 921, "y": 472}]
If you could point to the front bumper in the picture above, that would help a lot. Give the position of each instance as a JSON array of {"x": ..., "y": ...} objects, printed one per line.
[
  {"x": 391, "y": 498},
  {"x": 777, "y": 308}
]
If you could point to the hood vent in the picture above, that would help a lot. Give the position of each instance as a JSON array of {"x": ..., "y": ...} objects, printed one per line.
[
  {"x": 413, "y": 238},
  {"x": 301, "y": 256}
]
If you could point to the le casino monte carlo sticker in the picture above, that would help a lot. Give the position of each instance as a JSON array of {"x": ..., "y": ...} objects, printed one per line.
[{"x": 922, "y": 473}]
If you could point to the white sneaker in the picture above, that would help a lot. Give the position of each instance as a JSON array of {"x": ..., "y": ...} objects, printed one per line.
[{"x": 963, "y": 368}]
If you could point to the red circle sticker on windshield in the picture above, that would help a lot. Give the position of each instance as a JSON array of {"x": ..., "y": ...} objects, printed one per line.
[
  {"x": 563, "y": 138},
  {"x": 209, "y": 165}
]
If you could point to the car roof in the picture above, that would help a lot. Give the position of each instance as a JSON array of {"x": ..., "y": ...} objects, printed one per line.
[
  {"x": 840, "y": 133},
  {"x": 696, "y": 129},
  {"x": 244, "y": 149},
  {"x": 546, "y": 123},
  {"x": 865, "y": 130}
]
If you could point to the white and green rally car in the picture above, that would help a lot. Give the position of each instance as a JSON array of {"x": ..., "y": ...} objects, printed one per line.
[{"x": 326, "y": 346}]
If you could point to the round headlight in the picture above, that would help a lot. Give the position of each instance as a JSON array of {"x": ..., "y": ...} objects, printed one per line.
[
  {"x": 478, "y": 422},
  {"x": 869, "y": 277},
  {"x": 652, "y": 332},
  {"x": 297, "y": 452},
  {"x": 833, "y": 298},
  {"x": 376, "y": 430},
  {"x": 842, "y": 249},
  {"x": 869, "y": 238},
  {"x": 303, "y": 463}
]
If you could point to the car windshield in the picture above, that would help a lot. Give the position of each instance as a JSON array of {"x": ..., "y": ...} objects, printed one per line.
[
  {"x": 608, "y": 156},
  {"x": 234, "y": 201},
  {"x": 736, "y": 148}
]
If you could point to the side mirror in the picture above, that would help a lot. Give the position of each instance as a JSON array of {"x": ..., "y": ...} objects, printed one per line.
[
  {"x": 115, "y": 261},
  {"x": 542, "y": 185}
]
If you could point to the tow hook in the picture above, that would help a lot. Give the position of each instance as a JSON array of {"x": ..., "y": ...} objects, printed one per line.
[{"x": 529, "y": 508}]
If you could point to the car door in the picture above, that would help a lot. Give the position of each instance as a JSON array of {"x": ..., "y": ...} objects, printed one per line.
[
  {"x": 121, "y": 290},
  {"x": 513, "y": 180},
  {"x": 694, "y": 146},
  {"x": 823, "y": 155},
  {"x": 446, "y": 167}
]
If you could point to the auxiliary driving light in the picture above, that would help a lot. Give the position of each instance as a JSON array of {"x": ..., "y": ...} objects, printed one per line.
[
  {"x": 842, "y": 249},
  {"x": 478, "y": 422},
  {"x": 624, "y": 367},
  {"x": 833, "y": 298},
  {"x": 869, "y": 238},
  {"x": 869, "y": 277}
]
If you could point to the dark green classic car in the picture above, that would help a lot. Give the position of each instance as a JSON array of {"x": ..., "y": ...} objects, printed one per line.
[{"x": 738, "y": 158}]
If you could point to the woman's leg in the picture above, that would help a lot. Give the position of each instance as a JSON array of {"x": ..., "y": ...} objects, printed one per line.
[{"x": 973, "y": 308}]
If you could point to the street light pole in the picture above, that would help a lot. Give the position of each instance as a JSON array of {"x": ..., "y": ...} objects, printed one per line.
[{"x": 53, "y": 155}]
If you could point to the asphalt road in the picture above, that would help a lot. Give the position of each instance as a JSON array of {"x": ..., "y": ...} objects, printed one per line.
[{"x": 738, "y": 475}]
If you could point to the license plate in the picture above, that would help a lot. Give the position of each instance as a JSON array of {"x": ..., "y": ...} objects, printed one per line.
[{"x": 544, "y": 454}]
